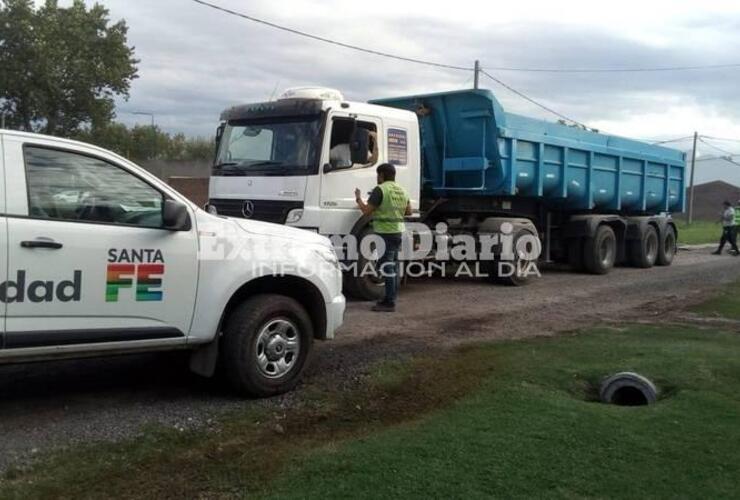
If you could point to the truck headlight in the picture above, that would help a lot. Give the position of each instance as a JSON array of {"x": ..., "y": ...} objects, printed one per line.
[{"x": 294, "y": 216}]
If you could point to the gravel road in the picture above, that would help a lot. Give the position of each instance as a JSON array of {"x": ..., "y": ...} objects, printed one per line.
[{"x": 62, "y": 403}]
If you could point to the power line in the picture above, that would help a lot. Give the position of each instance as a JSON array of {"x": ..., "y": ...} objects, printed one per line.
[
  {"x": 729, "y": 160},
  {"x": 526, "y": 97},
  {"x": 328, "y": 40},
  {"x": 379, "y": 53},
  {"x": 464, "y": 68},
  {"x": 712, "y": 158},
  {"x": 618, "y": 70},
  {"x": 729, "y": 154},
  {"x": 674, "y": 140},
  {"x": 720, "y": 139},
  {"x": 721, "y": 150}
]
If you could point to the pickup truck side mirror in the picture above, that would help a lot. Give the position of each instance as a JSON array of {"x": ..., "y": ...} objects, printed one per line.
[
  {"x": 359, "y": 145},
  {"x": 175, "y": 216}
]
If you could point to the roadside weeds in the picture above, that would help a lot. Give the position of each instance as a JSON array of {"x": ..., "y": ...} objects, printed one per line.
[{"x": 243, "y": 454}]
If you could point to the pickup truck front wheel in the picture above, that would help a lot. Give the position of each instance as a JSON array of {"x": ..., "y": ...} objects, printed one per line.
[{"x": 266, "y": 345}]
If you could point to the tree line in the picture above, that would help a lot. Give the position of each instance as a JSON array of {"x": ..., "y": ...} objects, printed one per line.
[
  {"x": 144, "y": 142},
  {"x": 61, "y": 70}
]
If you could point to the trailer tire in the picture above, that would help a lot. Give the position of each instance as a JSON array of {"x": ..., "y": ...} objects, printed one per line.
[
  {"x": 266, "y": 345},
  {"x": 643, "y": 252},
  {"x": 515, "y": 279},
  {"x": 668, "y": 247},
  {"x": 600, "y": 252},
  {"x": 495, "y": 277}
]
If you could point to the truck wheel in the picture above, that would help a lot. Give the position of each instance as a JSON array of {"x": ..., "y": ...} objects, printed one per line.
[
  {"x": 668, "y": 246},
  {"x": 600, "y": 251},
  {"x": 503, "y": 275},
  {"x": 644, "y": 251},
  {"x": 365, "y": 285},
  {"x": 266, "y": 344}
]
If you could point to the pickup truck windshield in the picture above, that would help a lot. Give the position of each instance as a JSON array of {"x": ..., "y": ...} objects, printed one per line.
[{"x": 275, "y": 147}]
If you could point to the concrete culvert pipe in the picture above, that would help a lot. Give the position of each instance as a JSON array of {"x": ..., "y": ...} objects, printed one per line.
[{"x": 628, "y": 389}]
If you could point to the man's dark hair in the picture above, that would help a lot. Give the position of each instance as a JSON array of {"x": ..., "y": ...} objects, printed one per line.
[
  {"x": 726, "y": 203},
  {"x": 388, "y": 171}
]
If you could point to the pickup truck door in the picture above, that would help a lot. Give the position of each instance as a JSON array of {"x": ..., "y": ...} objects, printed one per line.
[
  {"x": 3, "y": 245},
  {"x": 89, "y": 261}
]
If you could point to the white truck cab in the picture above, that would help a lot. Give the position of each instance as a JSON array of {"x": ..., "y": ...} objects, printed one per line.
[
  {"x": 97, "y": 256},
  {"x": 290, "y": 161}
]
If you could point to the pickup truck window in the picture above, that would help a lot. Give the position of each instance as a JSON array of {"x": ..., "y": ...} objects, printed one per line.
[{"x": 63, "y": 185}]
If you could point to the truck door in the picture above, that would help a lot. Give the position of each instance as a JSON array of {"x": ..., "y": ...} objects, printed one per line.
[
  {"x": 339, "y": 183},
  {"x": 89, "y": 261},
  {"x": 3, "y": 245}
]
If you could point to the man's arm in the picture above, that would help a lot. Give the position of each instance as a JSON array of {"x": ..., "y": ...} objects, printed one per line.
[{"x": 365, "y": 208}]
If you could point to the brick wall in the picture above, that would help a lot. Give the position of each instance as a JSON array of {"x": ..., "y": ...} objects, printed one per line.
[{"x": 194, "y": 188}]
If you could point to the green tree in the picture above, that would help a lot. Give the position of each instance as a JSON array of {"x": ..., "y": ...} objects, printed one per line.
[
  {"x": 142, "y": 142},
  {"x": 61, "y": 68}
]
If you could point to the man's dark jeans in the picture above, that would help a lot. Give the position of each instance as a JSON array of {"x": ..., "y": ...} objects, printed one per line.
[
  {"x": 729, "y": 235},
  {"x": 388, "y": 266}
]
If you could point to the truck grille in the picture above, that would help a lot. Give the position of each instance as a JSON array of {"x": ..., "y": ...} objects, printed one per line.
[{"x": 275, "y": 211}]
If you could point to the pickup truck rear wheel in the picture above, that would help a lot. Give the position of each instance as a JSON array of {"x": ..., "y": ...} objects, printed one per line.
[
  {"x": 266, "y": 345},
  {"x": 600, "y": 252}
]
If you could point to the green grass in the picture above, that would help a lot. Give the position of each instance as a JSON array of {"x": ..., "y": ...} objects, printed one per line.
[
  {"x": 530, "y": 430},
  {"x": 725, "y": 304},
  {"x": 698, "y": 232},
  {"x": 512, "y": 419},
  {"x": 527, "y": 428}
]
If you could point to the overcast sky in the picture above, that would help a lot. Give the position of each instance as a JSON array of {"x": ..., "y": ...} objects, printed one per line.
[{"x": 196, "y": 61}]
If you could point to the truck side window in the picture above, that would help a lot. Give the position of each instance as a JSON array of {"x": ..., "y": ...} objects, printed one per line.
[
  {"x": 341, "y": 133},
  {"x": 74, "y": 187}
]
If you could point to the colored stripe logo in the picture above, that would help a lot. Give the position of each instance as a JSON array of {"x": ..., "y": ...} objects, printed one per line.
[{"x": 144, "y": 279}]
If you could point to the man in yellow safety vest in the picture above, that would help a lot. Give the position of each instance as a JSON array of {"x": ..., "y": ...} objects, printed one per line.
[{"x": 388, "y": 204}]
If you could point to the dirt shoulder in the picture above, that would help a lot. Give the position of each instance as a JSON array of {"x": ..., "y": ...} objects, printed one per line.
[{"x": 63, "y": 403}]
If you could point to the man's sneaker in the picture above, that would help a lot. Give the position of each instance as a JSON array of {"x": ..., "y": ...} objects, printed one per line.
[
  {"x": 383, "y": 307},
  {"x": 717, "y": 253}
]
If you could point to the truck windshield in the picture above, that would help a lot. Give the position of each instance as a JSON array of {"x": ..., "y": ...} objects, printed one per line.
[{"x": 274, "y": 147}]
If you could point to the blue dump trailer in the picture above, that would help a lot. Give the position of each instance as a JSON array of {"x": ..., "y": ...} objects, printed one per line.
[
  {"x": 595, "y": 200},
  {"x": 471, "y": 147}
]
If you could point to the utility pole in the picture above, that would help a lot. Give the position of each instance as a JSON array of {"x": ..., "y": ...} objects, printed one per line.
[
  {"x": 477, "y": 74},
  {"x": 691, "y": 182}
]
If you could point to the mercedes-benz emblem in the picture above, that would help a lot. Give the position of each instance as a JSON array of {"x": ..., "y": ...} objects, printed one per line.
[{"x": 248, "y": 209}]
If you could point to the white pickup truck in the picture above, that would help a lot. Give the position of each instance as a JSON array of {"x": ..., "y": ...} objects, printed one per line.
[{"x": 97, "y": 257}]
